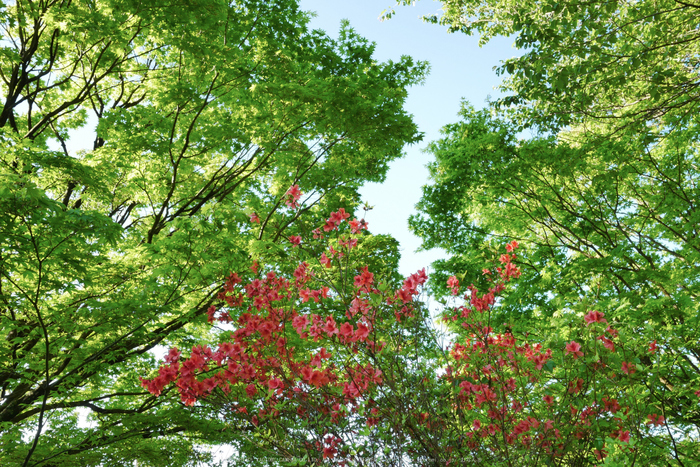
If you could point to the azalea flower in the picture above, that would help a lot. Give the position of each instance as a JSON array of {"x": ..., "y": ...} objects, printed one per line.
[
  {"x": 453, "y": 283},
  {"x": 573, "y": 348},
  {"x": 293, "y": 195},
  {"x": 594, "y": 317},
  {"x": 656, "y": 420},
  {"x": 629, "y": 368}
]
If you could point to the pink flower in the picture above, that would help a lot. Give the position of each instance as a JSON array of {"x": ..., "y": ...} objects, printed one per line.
[
  {"x": 325, "y": 260},
  {"x": 254, "y": 218},
  {"x": 299, "y": 323},
  {"x": 357, "y": 225},
  {"x": 293, "y": 195},
  {"x": 610, "y": 345},
  {"x": 512, "y": 246},
  {"x": 330, "y": 327},
  {"x": 346, "y": 331},
  {"x": 573, "y": 348},
  {"x": 295, "y": 240},
  {"x": 364, "y": 280},
  {"x": 338, "y": 217},
  {"x": 362, "y": 332},
  {"x": 453, "y": 283},
  {"x": 594, "y": 317}
]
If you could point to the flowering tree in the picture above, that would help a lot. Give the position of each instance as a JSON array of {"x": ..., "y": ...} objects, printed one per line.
[
  {"x": 306, "y": 363},
  {"x": 330, "y": 362}
]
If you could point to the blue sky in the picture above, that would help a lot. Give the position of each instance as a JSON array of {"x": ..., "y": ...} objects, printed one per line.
[{"x": 460, "y": 69}]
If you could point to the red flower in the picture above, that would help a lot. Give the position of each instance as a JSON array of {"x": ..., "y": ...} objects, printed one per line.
[
  {"x": 275, "y": 383},
  {"x": 330, "y": 225},
  {"x": 318, "y": 378},
  {"x": 453, "y": 283},
  {"x": 346, "y": 331},
  {"x": 362, "y": 332},
  {"x": 575, "y": 386},
  {"x": 611, "y": 405},
  {"x": 656, "y": 420},
  {"x": 211, "y": 311},
  {"x": 295, "y": 240},
  {"x": 357, "y": 225},
  {"x": 652, "y": 347},
  {"x": 330, "y": 327},
  {"x": 329, "y": 452},
  {"x": 338, "y": 217},
  {"x": 573, "y": 348},
  {"x": 364, "y": 280},
  {"x": 600, "y": 454},
  {"x": 254, "y": 218},
  {"x": 293, "y": 195},
  {"x": 251, "y": 390},
  {"x": 629, "y": 368},
  {"x": 325, "y": 260},
  {"x": 610, "y": 345},
  {"x": 594, "y": 317},
  {"x": 511, "y": 246},
  {"x": 299, "y": 323}
]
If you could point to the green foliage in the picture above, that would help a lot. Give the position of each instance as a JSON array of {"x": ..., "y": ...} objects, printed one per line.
[
  {"x": 205, "y": 112},
  {"x": 620, "y": 64},
  {"x": 602, "y": 196},
  {"x": 605, "y": 205},
  {"x": 611, "y": 227}
]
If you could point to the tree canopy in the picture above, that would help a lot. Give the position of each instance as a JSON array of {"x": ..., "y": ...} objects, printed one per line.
[
  {"x": 203, "y": 115},
  {"x": 213, "y": 219},
  {"x": 601, "y": 190},
  {"x": 610, "y": 63}
]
